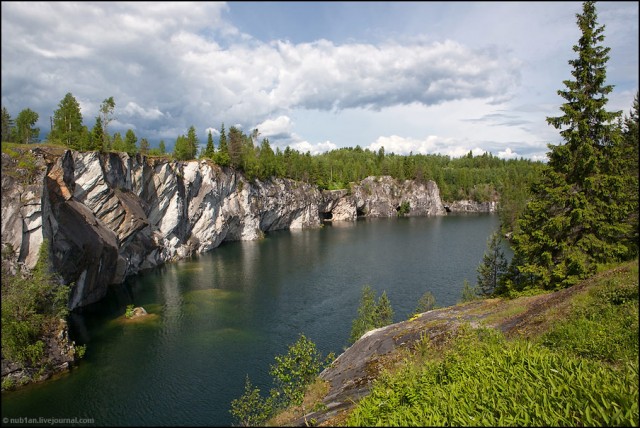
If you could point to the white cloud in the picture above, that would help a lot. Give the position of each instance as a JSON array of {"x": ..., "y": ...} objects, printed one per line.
[
  {"x": 314, "y": 149},
  {"x": 133, "y": 109},
  {"x": 279, "y": 127},
  {"x": 508, "y": 154},
  {"x": 430, "y": 145}
]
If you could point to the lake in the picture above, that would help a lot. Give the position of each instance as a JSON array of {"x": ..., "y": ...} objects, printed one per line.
[{"x": 221, "y": 316}]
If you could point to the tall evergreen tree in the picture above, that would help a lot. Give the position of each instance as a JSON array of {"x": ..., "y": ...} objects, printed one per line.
[
  {"x": 209, "y": 151},
  {"x": 631, "y": 158},
  {"x": 222, "y": 157},
  {"x": 236, "y": 143},
  {"x": 493, "y": 266},
  {"x": 162, "y": 147},
  {"x": 67, "y": 123},
  {"x": 97, "y": 135},
  {"x": 575, "y": 219},
  {"x": 192, "y": 138},
  {"x": 7, "y": 125}
]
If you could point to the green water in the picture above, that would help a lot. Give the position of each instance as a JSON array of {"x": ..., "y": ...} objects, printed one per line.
[{"x": 223, "y": 315}]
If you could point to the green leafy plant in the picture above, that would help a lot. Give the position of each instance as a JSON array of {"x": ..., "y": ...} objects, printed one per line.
[
  {"x": 129, "y": 311},
  {"x": 291, "y": 374}
]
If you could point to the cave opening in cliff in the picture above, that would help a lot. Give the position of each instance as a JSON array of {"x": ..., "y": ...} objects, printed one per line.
[
  {"x": 360, "y": 212},
  {"x": 327, "y": 216}
]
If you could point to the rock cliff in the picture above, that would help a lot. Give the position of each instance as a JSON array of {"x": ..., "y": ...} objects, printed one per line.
[{"x": 110, "y": 215}]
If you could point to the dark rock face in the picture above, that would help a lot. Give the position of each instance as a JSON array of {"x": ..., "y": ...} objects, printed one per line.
[{"x": 111, "y": 215}]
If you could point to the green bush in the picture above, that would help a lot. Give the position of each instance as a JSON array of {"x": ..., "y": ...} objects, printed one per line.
[
  {"x": 32, "y": 304},
  {"x": 128, "y": 313}
]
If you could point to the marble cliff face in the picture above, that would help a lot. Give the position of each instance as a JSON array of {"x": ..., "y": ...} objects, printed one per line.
[{"x": 109, "y": 215}]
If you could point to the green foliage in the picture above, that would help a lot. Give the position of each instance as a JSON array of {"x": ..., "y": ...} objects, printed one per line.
[
  {"x": 7, "y": 126},
  {"x": 24, "y": 130},
  {"x": 31, "y": 304},
  {"x": 144, "y": 146},
  {"x": 251, "y": 409},
  {"x": 97, "y": 135},
  {"x": 106, "y": 111},
  {"x": 371, "y": 315},
  {"x": 482, "y": 380},
  {"x": 291, "y": 374},
  {"x": 583, "y": 208},
  {"x": 67, "y": 123},
  {"x": 493, "y": 266},
  {"x": 469, "y": 293},
  {"x": 129, "y": 311},
  {"x": 604, "y": 325},
  {"x": 297, "y": 369},
  {"x": 81, "y": 350},
  {"x": 118, "y": 143},
  {"x": 130, "y": 141},
  {"x": 404, "y": 209},
  {"x": 209, "y": 151},
  {"x": 426, "y": 303}
]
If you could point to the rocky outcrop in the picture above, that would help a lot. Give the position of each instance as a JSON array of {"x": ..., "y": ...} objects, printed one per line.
[
  {"x": 383, "y": 197},
  {"x": 60, "y": 354},
  {"x": 110, "y": 215},
  {"x": 468, "y": 206}
]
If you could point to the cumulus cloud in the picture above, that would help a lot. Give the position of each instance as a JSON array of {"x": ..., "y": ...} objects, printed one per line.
[
  {"x": 430, "y": 145},
  {"x": 314, "y": 149},
  {"x": 184, "y": 64}
]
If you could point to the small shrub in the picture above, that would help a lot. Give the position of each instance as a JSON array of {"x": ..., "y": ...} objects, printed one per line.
[{"x": 129, "y": 311}]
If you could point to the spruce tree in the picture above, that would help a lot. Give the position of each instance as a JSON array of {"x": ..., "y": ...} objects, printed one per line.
[
  {"x": 223, "y": 158},
  {"x": 7, "y": 125},
  {"x": 493, "y": 266},
  {"x": 209, "y": 151},
  {"x": 576, "y": 218}
]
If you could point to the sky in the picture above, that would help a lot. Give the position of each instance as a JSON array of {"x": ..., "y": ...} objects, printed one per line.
[{"x": 412, "y": 77}]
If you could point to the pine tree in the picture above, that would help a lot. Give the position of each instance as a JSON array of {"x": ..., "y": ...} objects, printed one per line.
[
  {"x": 575, "y": 219},
  {"x": 493, "y": 266}
]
